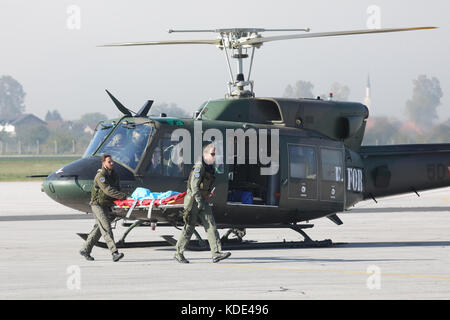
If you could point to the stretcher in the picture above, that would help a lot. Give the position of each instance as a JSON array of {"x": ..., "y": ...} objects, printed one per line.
[{"x": 175, "y": 201}]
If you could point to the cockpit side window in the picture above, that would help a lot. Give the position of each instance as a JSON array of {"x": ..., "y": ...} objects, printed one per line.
[
  {"x": 167, "y": 158},
  {"x": 127, "y": 143}
]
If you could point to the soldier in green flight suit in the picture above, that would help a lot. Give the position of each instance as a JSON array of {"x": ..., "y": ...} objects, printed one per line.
[
  {"x": 104, "y": 191},
  {"x": 196, "y": 207}
]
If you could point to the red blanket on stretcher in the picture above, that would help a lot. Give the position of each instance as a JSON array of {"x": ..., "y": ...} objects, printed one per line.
[{"x": 176, "y": 199}]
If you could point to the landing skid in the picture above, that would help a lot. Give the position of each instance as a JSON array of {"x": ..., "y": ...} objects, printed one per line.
[
  {"x": 126, "y": 245},
  {"x": 194, "y": 245},
  {"x": 239, "y": 244},
  {"x": 227, "y": 244}
]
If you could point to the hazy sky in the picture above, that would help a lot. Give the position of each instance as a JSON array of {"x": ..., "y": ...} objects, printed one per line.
[{"x": 61, "y": 67}]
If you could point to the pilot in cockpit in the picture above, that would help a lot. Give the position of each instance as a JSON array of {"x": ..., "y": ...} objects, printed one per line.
[
  {"x": 116, "y": 147},
  {"x": 174, "y": 166},
  {"x": 137, "y": 147},
  {"x": 155, "y": 164},
  {"x": 117, "y": 141}
]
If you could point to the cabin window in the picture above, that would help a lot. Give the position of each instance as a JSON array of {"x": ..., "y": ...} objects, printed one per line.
[
  {"x": 265, "y": 111},
  {"x": 169, "y": 154},
  {"x": 332, "y": 165},
  {"x": 302, "y": 162}
]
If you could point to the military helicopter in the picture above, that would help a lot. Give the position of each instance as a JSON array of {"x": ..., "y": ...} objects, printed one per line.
[{"x": 317, "y": 166}]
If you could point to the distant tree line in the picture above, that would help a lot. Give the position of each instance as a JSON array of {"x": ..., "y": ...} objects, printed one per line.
[
  {"x": 62, "y": 136},
  {"x": 56, "y": 136},
  {"x": 53, "y": 116},
  {"x": 384, "y": 130},
  {"x": 12, "y": 98},
  {"x": 304, "y": 89},
  {"x": 421, "y": 111}
]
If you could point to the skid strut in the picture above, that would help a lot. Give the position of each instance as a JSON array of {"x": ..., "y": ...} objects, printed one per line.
[
  {"x": 134, "y": 225},
  {"x": 299, "y": 228},
  {"x": 238, "y": 233}
]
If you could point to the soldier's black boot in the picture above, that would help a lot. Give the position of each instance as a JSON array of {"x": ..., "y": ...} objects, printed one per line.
[
  {"x": 221, "y": 256},
  {"x": 116, "y": 256},
  {"x": 181, "y": 259},
  {"x": 86, "y": 255}
]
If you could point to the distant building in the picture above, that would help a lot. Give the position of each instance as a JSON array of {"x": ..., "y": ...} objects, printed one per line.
[
  {"x": 11, "y": 124},
  {"x": 368, "y": 99},
  {"x": 89, "y": 129},
  {"x": 6, "y": 127},
  {"x": 60, "y": 124}
]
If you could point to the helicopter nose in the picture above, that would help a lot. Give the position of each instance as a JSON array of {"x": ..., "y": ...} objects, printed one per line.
[
  {"x": 65, "y": 189},
  {"x": 71, "y": 185}
]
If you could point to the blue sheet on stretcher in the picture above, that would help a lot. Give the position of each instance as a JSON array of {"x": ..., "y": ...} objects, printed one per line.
[{"x": 146, "y": 194}]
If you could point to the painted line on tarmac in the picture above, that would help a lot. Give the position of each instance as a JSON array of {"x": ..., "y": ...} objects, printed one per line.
[
  {"x": 7, "y": 204},
  {"x": 399, "y": 275},
  {"x": 46, "y": 217}
]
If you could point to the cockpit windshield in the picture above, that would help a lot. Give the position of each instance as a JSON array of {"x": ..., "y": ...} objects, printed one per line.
[
  {"x": 101, "y": 132},
  {"x": 127, "y": 143}
]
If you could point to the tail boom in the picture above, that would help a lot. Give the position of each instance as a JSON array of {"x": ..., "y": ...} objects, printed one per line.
[{"x": 396, "y": 169}]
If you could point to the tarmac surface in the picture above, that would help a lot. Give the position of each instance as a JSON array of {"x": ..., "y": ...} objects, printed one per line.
[{"x": 397, "y": 248}]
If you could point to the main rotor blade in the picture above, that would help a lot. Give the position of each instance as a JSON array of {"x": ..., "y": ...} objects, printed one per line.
[
  {"x": 155, "y": 43},
  {"x": 328, "y": 34}
]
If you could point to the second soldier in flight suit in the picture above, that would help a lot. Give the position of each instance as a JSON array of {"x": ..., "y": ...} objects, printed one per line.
[
  {"x": 104, "y": 191},
  {"x": 196, "y": 207}
]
